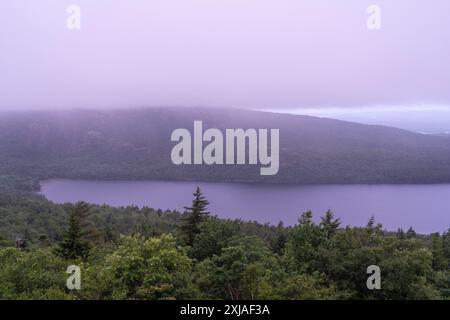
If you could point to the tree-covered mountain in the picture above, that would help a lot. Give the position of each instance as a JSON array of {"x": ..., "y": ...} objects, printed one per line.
[
  {"x": 144, "y": 253},
  {"x": 135, "y": 144}
]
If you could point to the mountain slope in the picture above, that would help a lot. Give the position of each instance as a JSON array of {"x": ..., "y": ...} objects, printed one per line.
[{"x": 135, "y": 144}]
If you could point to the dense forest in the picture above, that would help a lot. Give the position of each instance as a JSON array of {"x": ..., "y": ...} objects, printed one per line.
[
  {"x": 135, "y": 144},
  {"x": 143, "y": 253}
]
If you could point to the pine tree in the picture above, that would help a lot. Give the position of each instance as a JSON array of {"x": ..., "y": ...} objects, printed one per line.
[
  {"x": 329, "y": 225},
  {"x": 195, "y": 216},
  {"x": 306, "y": 218},
  {"x": 371, "y": 223},
  {"x": 410, "y": 234},
  {"x": 373, "y": 227},
  {"x": 401, "y": 234},
  {"x": 281, "y": 238},
  {"x": 90, "y": 232},
  {"x": 439, "y": 262},
  {"x": 73, "y": 245},
  {"x": 446, "y": 243}
]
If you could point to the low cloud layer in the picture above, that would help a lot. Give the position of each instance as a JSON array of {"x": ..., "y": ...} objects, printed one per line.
[{"x": 240, "y": 53}]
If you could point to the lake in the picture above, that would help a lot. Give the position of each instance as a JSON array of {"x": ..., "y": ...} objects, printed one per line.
[{"x": 424, "y": 207}]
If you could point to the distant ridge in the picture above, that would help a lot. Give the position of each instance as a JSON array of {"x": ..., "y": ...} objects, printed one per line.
[{"x": 135, "y": 144}]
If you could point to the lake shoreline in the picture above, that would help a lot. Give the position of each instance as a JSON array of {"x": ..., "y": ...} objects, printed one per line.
[{"x": 424, "y": 207}]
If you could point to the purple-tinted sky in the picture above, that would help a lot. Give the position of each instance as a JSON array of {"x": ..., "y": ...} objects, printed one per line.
[{"x": 240, "y": 53}]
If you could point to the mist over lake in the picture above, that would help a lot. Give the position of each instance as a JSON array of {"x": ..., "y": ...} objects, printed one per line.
[{"x": 424, "y": 207}]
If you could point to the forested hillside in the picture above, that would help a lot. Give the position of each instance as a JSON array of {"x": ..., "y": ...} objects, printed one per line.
[
  {"x": 146, "y": 253},
  {"x": 133, "y": 253},
  {"x": 135, "y": 144}
]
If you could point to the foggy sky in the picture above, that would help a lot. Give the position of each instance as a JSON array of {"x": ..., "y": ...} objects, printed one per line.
[{"x": 239, "y": 53}]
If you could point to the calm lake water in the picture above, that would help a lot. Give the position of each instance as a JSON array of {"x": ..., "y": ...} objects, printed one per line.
[{"x": 424, "y": 207}]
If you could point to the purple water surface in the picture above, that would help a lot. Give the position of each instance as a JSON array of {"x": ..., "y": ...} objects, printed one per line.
[{"x": 424, "y": 207}]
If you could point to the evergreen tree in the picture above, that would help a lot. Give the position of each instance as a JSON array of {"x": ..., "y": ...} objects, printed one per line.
[
  {"x": 304, "y": 241},
  {"x": 73, "y": 246},
  {"x": 329, "y": 224},
  {"x": 439, "y": 262},
  {"x": 446, "y": 243},
  {"x": 410, "y": 234},
  {"x": 401, "y": 234},
  {"x": 194, "y": 217},
  {"x": 90, "y": 232},
  {"x": 281, "y": 237},
  {"x": 373, "y": 226},
  {"x": 371, "y": 223},
  {"x": 306, "y": 218}
]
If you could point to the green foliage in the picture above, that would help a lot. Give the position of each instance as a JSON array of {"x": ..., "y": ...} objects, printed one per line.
[
  {"x": 278, "y": 243},
  {"x": 329, "y": 224},
  {"x": 34, "y": 274},
  {"x": 141, "y": 268},
  {"x": 405, "y": 265},
  {"x": 74, "y": 246},
  {"x": 133, "y": 256},
  {"x": 18, "y": 185},
  {"x": 313, "y": 286},
  {"x": 194, "y": 217},
  {"x": 405, "y": 268},
  {"x": 238, "y": 271},
  {"x": 440, "y": 262},
  {"x": 446, "y": 246},
  {"x": 305, "y": 239},
  {"x": 214, "y": 234},
  {"x": 441, "y": 281}
]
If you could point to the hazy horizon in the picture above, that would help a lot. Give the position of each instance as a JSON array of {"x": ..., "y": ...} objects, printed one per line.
[
  {"x": 425, "y": 119},
  {"x": 261, "y": 54}
]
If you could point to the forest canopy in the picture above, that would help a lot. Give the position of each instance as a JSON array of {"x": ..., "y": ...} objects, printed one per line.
[{"x": 143, "y": 253}]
